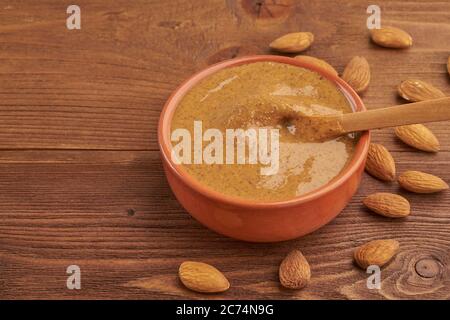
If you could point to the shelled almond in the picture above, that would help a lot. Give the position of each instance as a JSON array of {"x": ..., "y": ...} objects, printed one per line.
[
  {"x": 421, "y": 182},
  {"x": 202, "y": 277},
  {"x": 388, "y": 204},
  {"x": 293, "y": 42},
  {"x": 380, "y": 163},
  {"x": 318, "y": 62},
  {"x": 418, "y": 136},
  {"x": 418, "y": 90},
  {"x": 357, "y": 74},
  {"x": 391, "y": 37},
  {"x": 377, "y": 252},
  {"x": 294, "y": 271}
]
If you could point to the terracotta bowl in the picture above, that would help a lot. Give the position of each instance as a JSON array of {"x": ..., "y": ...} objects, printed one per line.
[{"x": 261, "y": 221}]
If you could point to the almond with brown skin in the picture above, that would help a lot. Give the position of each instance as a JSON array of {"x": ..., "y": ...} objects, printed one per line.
[
  {"x": 318, "y": 62},
  {"x": 377, "y": 252},
  {"x": 202, "y": 277},
  {"x": 421, "y": 182},
  {"x": 294, "y": 272},
  {"x": 380, "y": 163},
  {"x": 418, "y": 136},
  {"x": 293, "y": 42},
  {"x": 388, "y": 204},
  {"x": 357, "y": 74},
  {"x": 418, "y": 90},
  {"x": 391, "y": 37}
]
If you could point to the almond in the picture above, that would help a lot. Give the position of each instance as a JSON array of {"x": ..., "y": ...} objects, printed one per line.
[
  {"x": 391, "y": 37},
  {"x": 388, "y": 204},
  {"x": 377, "y": 252},
  {"x": 318, "y": 62},
  {"x": 418, "y": 136},
  {"x": 421, "y": 182},
  {"x": 202, "y": 277},
  {"x": 380, "y": 163},
  {"x": 418, "y": 90},
  {"x": 294, "y": 271},
  {"x": 357, "y": 74},
  {"x": 293, "y": 42}
]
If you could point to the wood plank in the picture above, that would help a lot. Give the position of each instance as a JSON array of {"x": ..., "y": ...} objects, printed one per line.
[
  {"x": 103, "y": 87},
  {"x": 73, "y": 207},
  {"x": 81, "y": 180}
]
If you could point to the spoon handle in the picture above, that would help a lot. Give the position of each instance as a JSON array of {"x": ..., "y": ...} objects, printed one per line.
[{"x": 411, "y": 113}]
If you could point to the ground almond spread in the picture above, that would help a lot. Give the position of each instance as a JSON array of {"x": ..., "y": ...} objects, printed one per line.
[{"x": 267, "y": 95}]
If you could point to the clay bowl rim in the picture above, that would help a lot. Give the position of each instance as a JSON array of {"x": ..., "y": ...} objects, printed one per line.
[{"x": 169, "y": 108}]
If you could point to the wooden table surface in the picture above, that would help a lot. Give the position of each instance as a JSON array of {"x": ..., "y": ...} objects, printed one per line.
[{"x": 81, "y": 181}]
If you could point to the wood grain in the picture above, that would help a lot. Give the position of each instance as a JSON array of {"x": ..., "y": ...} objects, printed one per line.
[{"x": 81, "y": 180}]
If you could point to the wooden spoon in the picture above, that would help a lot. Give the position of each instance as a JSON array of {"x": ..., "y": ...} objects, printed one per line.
[{"x": 322, "y": 127}]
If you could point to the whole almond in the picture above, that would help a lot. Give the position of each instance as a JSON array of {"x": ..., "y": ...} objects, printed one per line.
[
  {"x": 421, "y": 182},
  {"x": 418, "y": 90},
  {"x": 388, "y": 204},
  {"x": 318, "y": 62},
  {"x": 293, "y": 42},
  {"x": 418, "y": 136},
  {"x": 202, "y": 277},
  {"x": 380, "y": 163},
  {"x": 391, "y": 37},
  {"x": 294, "y": 272},
  {"x": 377, "y": 252},
  {"x": 357, "y": 74}
]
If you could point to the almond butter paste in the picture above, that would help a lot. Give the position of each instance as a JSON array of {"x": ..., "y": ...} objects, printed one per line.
[{"x": 269, "y": 95}]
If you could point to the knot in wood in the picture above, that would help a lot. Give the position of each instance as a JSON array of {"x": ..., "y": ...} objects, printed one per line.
[
  {"x": 268, "y": 9},
  {"x": 428, "y": 267}
]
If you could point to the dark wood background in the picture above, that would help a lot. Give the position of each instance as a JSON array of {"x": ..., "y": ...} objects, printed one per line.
[{"x": 80, "y": 176}]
